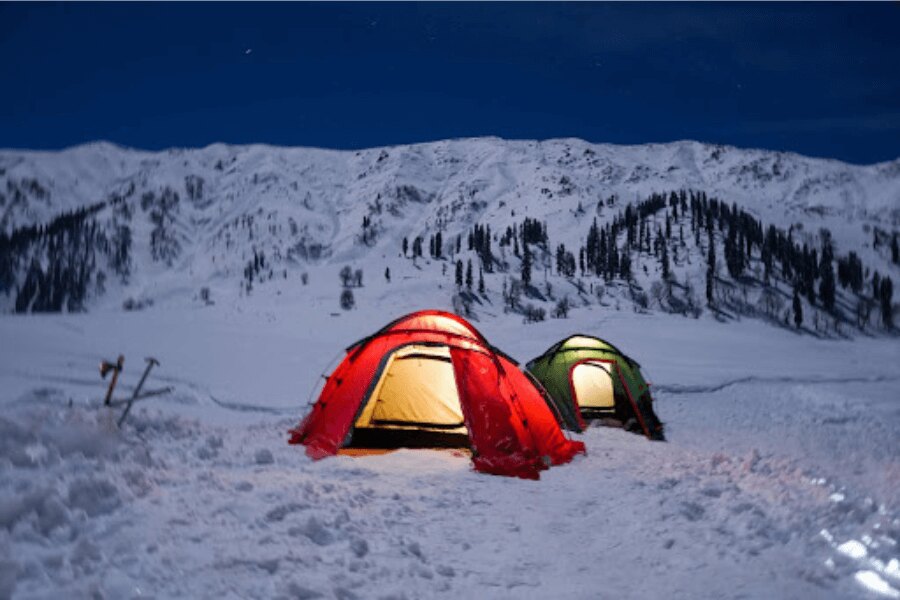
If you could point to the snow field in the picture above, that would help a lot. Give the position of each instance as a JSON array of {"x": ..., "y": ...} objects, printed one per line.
[{"x": 780, "y": 479}]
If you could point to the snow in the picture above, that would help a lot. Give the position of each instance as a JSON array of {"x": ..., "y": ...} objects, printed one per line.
[
  {"x": 853, "y": 549},
  {"x": 874, "y": 582},
  {"x": 779, "y": 479}
]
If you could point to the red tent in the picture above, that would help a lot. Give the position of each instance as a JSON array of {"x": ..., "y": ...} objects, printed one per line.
[{"x": 432, "y": 372}]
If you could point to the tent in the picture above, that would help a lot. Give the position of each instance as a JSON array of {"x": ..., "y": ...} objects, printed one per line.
[
  {"x": 431, "y": 379},
  {"x": 589, "y": 378}
]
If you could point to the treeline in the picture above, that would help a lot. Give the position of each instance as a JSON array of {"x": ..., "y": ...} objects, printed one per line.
[
  {"x": 164, "y": 244},
  {"x": 744, "y": 240},
  {"x": 59, "y": 261},
  {"x": 670, "y": 229}
]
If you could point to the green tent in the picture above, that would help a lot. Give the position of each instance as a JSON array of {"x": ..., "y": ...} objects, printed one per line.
[{"x": 588, "y": 378}]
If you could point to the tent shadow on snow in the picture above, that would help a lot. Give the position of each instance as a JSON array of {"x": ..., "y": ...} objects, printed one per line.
[
  {"x": 590, "y": 379},
  {"x": 430, "y": 379}
]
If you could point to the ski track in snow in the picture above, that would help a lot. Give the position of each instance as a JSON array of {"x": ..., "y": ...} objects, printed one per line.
[{"x": 700, "y": 389}]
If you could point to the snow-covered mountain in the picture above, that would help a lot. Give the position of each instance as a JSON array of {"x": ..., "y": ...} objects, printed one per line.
[{"x": 198, "y": 218}]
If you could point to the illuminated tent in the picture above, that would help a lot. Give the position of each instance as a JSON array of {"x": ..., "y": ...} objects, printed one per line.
[
  {"x": 431, "y": 379},
  {"x": 589, "y": 378}
]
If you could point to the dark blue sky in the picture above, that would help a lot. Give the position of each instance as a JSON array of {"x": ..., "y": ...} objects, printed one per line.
[{"x": 820, "y": 79}]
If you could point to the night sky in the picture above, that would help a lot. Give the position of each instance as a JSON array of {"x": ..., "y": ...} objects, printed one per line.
[{"x": 819, "y": 79}]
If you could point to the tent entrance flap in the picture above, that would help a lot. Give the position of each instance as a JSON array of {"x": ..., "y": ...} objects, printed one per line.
[
  {"x": 416, "y": 392},
  {"x": 593, "y": 386}
]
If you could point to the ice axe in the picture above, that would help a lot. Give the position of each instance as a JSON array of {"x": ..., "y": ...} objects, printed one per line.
[
  {"x": 116, "y": 368},
  {"x": 151, "y": 362}
]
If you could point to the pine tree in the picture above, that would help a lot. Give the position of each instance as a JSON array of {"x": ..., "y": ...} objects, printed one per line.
[
  {"x": 887, "y": 309},
  {"x": 710, "y": 267},
  {"x": 826, "y": 273},
  {"x": 469, "y": 274},
  {"x": 405, "y": 246},
  {"x": 895, "y": 251},
  {"x": 526, "y": 265},
  {"x": 798, "y": 309},
  {"x": 768, "y": 248},
  {"x": 367, "y": 234},
  {"x": 734, "y": 253},
  {"x": 612, "y": 255},
  {"x": 602, "y": 254},
  {"x": 480, "y": 281},
  {"x": 811, "y": 273},
  {"x": 641, "y": 226},
  {"x": 625, "y": 267},
  {"x": 487, "y": 255},
  {"x": 346, "y": 275},
  {"x": 459, "y": 273},
  {"x": 438, "y": 243},
  {"x": 347, "y": 300},
  {"x": 665, "y": 262}
]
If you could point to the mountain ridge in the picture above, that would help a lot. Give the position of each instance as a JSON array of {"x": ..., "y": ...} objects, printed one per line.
[
  {"x": 195, "y": 216},
  {"x": 564, "y": 139}
]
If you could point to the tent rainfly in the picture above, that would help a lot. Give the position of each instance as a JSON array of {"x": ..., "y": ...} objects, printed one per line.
[
  {"x": 431, "y": 379},
  {"x": 589, "y": 378}
]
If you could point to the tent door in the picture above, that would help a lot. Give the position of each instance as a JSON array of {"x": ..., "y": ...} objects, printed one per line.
[
  {"x": 594, "y": 389},
  {"x": 415, "y": 403}
]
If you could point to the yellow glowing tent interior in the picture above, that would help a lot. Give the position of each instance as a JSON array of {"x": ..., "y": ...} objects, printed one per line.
[
  {"x": 417, "y": 396},
  {"x": 589, "y": 378}
]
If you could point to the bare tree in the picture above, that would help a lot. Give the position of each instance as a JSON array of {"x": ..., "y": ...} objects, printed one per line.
[
  {"x": 346, "y": 276},
  {"x": 347, "y": 300}
]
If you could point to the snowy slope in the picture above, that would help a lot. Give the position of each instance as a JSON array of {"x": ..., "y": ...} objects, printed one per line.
[{"x": 300, "y": 206}]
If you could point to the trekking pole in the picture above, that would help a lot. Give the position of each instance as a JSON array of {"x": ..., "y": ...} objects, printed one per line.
[
  {"x": 116, "y": 368},
  {"x": 150, "y": 363}
]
